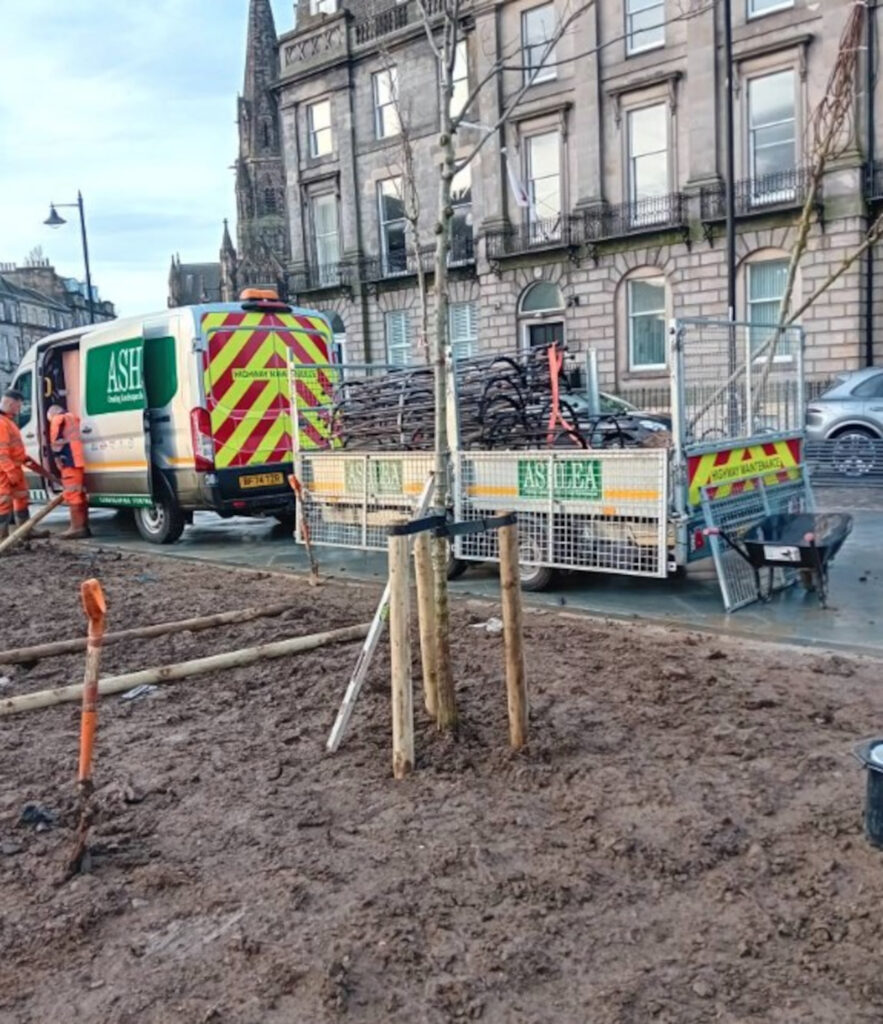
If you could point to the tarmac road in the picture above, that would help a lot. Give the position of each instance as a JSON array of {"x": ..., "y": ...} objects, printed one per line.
[{"x": 854, "y": 620}]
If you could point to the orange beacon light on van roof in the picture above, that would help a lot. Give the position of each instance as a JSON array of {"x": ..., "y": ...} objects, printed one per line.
[{"x": 253, "y": 294}]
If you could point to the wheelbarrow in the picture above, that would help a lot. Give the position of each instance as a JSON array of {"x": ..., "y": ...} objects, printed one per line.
[{"x": 803, "y": 540}]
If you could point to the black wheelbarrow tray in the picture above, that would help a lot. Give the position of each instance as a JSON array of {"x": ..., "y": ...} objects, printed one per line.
[{"x": 791, "y": 540}]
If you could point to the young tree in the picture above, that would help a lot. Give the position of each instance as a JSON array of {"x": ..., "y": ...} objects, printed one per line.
[{"x": 442, "y": 20}]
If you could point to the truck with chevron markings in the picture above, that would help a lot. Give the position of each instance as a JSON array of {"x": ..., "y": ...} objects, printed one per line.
[{"x": 180, "y": 411}]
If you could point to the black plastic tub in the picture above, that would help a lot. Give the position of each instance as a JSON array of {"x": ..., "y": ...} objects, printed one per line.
[{"x": 870, "y": 753}]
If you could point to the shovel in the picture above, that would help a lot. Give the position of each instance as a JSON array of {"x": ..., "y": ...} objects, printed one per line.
[{"x": 305, "y": 527}]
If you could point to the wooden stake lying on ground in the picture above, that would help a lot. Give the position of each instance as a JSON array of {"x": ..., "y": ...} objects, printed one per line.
[
  {"x": 95, "y": 608},
  {"x": 400, "y": 656},
  {"x": 426, "y": 618},
  {"x": 57, "y": 647},
  {"x": 184, "y": 669},
  {"x": 513, "y": 636},
  {"x": 24, "y": 530}
]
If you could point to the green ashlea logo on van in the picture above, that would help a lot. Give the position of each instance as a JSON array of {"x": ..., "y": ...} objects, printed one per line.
[
  {"x": 384, "y": 477},
  {"x": 115, "y": 377},
  {"x": 571, "y": 479}
]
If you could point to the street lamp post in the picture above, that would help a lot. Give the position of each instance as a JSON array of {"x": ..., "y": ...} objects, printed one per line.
[{"x": 55, "y": 221}]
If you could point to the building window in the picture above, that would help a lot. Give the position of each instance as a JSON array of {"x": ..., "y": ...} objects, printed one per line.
[
  {"x": 393, "y": 227},
  {"x": 460, "y": 82},
  {"x": 646, "y": 320},
  {"x": 537, "y": 30},
  {"x": 269, "y": 204},
  {"x": 319, "y": 122},
  {"x": 765, "y": 288},
  {"x": 772, "y": 136},
  {"x": 462, "y": 249},
  {"x": 758, "y": 7},
  {"x": 544, "y": 186},
  {"x": 648, "y": 164},
  {"x": 326, "y": 239},
  {"x": 323, "y": 6},
  {"x": 644, "y": 25},
  {"x": 397, "y": 325},
  {"x": 463, "y": 317},
  {"x": 386, "y": 116}
]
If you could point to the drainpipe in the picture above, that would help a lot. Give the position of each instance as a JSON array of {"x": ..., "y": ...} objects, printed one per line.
[
  {"x": 870, "y": 86},
  {"x": 363, "y": 302},
  {"x": 501, "y": 131}
]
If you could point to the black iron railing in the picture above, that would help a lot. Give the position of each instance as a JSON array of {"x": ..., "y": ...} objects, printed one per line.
[
  {"x": 550, "y": 233},
  {"x": 392, "y": 18},
  {"x": 318, "y": 276},
  {"x": 653, "y": 213},
  {"x": 404, "y": 262},
  {"x": 783, "y": 190}
]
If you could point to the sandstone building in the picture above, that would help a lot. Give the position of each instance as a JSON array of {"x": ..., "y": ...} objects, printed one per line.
[{"x": 620, "y": 143}]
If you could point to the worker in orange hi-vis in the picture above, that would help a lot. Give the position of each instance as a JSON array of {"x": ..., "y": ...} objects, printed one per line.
[
  {"x": 13, "y": 489},
  {"x": 67, "y": 447}
]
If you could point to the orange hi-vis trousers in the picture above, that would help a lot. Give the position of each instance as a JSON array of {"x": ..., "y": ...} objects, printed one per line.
[
  {"x": 13, "y": 492},
  {"x": 72, "y": 484}
]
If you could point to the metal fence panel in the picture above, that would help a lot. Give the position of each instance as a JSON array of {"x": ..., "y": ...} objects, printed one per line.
[
  {"x": 850, "y": 461},
  {"x": 351, "y": 500},
  {"x": 738, "y": 380},
  {"x": 602, "y": 511},
  {"x": 741, "y": 508}
]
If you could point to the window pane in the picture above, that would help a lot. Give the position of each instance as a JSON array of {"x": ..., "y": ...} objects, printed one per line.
[
  {"x": 771, "y": 98},
  {"x": 321, "y": 140},
  {"x": 464, "y": 329},
  {"x": 646, "y": 301},
  {"x": 762, "y": 6},
  {"x": 645, "y": 24},
  {"x": 544, "y": 179},
  {"x": 320, "y": 114},
  {"x": 392, "y": 206},
  {"x": 398, "y": 337},
  {"x": 544, "y": 150},
  {"x": 766, "y": 286},
  {"x": 540, "y": 297},
  {"x": 461, "y": 80},
  {"x": 648, "y": 130},
  {"x": 537, "y": 29},
  {"x": 461, "y": 187}
]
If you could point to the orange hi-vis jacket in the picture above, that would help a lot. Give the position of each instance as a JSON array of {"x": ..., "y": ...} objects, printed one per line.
[
  {"x": 12, "y": 448},
  {"x": 65, "y": 440}
]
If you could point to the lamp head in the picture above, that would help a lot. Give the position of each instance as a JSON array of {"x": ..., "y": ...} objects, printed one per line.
[{"x": 54, "y": 220}]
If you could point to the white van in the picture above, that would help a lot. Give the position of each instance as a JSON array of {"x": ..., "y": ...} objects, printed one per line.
[{"x": 182, "y": 410}]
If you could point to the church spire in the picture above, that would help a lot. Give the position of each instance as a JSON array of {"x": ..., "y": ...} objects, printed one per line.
[{"x": 261, "y": 54}]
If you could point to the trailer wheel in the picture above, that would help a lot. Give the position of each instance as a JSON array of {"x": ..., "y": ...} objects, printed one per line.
[
  {"x": 533, "y": 577},
  {"x": 162, "y": 522}
]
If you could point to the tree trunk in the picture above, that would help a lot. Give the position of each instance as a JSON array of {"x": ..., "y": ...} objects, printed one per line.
[{"x": 446, "y": 698}]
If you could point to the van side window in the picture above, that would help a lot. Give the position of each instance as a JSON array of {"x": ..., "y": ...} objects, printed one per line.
[{"x": 25, "y": 384}]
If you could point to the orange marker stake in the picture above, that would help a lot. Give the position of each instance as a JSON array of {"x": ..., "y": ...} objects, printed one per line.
[
  {"x": 95, "y": 608},
  {"x": 308, "y": 544}
]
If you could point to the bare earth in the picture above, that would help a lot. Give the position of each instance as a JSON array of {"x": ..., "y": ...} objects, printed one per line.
[{"x": 681, "y": 843}]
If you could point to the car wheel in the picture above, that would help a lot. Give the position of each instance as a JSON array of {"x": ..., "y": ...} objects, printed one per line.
[
  {"x": 161, "y": 523},
  {"x": 854, "y": 452}
]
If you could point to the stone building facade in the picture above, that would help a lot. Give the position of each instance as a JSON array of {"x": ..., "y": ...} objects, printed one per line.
[
  {"x": 619, "y": 144},
  {"x": 35, "y": 301}
]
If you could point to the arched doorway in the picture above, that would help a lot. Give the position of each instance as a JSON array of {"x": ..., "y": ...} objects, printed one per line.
[{"x": 541, "y": 315}]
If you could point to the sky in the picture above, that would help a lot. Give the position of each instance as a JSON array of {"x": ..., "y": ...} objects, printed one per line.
[{"x": 133, "y": 102}]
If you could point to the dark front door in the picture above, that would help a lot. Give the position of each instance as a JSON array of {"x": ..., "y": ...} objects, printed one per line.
[{"x": 544, "y": 335}]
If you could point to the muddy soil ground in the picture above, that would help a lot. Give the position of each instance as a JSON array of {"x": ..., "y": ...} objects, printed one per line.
[{"x": 682, "y": 841}]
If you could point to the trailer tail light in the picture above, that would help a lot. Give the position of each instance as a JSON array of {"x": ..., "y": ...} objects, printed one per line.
[{"x": 203, "y": 442}]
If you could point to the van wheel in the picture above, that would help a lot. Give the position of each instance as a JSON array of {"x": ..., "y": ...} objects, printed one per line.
[{"x": 161, "y": 523}]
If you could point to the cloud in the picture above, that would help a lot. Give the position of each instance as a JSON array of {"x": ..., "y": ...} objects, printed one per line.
[{"x": 134, "y": 104}]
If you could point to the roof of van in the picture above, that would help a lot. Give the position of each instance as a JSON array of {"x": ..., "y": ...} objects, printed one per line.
[{"x": 73, "y": 333}]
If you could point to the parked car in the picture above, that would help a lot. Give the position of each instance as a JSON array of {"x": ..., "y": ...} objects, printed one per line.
[
  {"x": 850, "y": 416},
  {"x": 620, "y": 424}
]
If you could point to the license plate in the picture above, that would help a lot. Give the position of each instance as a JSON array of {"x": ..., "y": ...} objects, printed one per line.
[{"x": 261, "y": 480}]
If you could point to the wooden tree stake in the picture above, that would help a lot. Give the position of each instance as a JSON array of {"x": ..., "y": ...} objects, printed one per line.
[
  {"x": 24, "y": 530},
  {"x": 400, "y": 656},
  {"x": 426, "y": 618},
  {"x": 513, "y": 636}
]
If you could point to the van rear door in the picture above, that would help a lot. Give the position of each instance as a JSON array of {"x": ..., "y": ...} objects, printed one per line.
[
  {"x": 113, "y": 405},
  {"x": 246, "y": 388}
]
